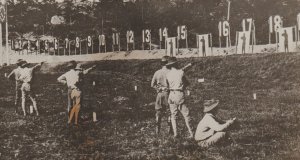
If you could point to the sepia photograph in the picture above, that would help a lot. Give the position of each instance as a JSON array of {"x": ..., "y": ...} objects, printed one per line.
[{"x": 149, "y": 79}]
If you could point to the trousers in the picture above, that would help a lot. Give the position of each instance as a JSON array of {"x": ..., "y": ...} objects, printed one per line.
[
  {"x": 177, "y": 104},
  {"x": 212, "y": 139},
  {"x": 26, "y": 91},
  {"x": 76, "y": 99}
]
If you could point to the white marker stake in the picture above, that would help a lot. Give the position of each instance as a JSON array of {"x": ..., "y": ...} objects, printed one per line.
[
  {"x": 254, "y": 96},
  {"x": 94, "y": 117},
  {"x": 135, "y": 88},
  {"x": 188, "y": 92},
  {"x": 5, "y": 74},
  {"x": 201, "y": 80},
  {"x": 94, "y": 83},
  {"x": 31, "y": 109}
]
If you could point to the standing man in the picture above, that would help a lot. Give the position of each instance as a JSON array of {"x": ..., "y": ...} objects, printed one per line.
[
  {"x": 243, "y": 38},
  {"x": 286, "y": 41},
  {"x": 26, "y": 77},
  {"x": 74, "y": 81},
  {"x": 159, "y": 82},
  {"x": 177, "y": 84},
  {"x": 15, "y": 75}
]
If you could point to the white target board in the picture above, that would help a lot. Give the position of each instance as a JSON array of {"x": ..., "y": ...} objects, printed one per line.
[
  {"x": 77, "y": 42},
  {"x": 275, "y": 23},
  {"x": 130, "y": 36},
  {"x": 102, "y": 40},
  {"x": 55, "y": 44},
  {"x": 89, "y": 41},
  {"x": 182, "y": 32},
  {"x": 171, "y": 46},
  {"x": 28, "y": 44},
  {"x": 243, "y": 42},
  {"x": 146, "y": 36},
  {"x": 286, "y": 39},
  {"x": 298, "y": 21},
  {"x": 66, "y": 43},
  {"x": 163, "y": 34},
  {"x": 247, "y": 24},
  {"x": 116, "y": 38},
  {"x": 204, "y": 45}
]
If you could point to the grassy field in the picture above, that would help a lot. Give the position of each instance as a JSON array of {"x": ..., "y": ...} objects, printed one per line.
[{"x": 268, "y": 128}]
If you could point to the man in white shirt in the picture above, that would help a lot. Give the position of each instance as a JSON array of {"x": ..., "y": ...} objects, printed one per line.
[
  {"x": 15, "y": 75},
  {"x": 26, "y": 77},
  {"x": 177, "y": 83},
  {"x": 74, "y": 80},
  {"x": 159, "y": 82},
  {"x": 210, "y": 130},
  {"x": 70, "y": 78}
]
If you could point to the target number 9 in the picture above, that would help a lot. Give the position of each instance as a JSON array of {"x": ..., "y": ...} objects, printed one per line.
[{"x": 89, "y": 41}]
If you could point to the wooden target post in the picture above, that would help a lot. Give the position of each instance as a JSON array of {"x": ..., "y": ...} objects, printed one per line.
[
  {"x": 163, "y": 35},
  {"x": 66, "y": 45},
  {"x": 146, "y": 38}
]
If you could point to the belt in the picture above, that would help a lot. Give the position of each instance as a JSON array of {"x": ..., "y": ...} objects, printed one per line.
[{"x": 179, "y": 90}]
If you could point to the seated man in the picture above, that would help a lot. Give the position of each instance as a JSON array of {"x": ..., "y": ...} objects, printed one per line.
[{"x": 210, "y": 130}]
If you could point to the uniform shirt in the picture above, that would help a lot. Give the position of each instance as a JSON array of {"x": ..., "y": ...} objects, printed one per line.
[
  {"x": 208, "y": 126},
  {"x": 73, "y": 77},
  {"x": 176, "y": 79},
  {"x": 27, "y": 74},
  {"x": 16, "y": 73},
  {"x": 159, "y": 80}
]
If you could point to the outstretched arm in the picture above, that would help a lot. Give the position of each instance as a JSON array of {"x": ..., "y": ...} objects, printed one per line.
[
  {"x": 38, "y": 65},
  {"x": 89, "y": 69},
  {"x": 11, "y": 74},
  {"x": 62, "y": 79}
]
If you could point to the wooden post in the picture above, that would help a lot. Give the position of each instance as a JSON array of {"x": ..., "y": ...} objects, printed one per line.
[
  {"x": 1, "y": 47},
  {"x": 211, "y": 46},
  {"x": 236, "y": 41}
]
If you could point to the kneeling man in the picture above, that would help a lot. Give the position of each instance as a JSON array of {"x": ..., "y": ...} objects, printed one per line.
[{"x": 210, "y": 130}]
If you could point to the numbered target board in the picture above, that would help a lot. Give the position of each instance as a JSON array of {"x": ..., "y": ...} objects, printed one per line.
[
  {"x": 171, "y": 46},
  {"x": 77, "y": 42},
  {"x": 55, "y": 44},
  {"x": 182, "y": 35},
  {"x": 204, "y": 45},
  {"x": 248, "y": 24},
  {"x": 275, "y": 23},
  {"x": 163, "y": 34},
  {"x": 286, "y": 37},
  {"x": 46, "y": 45},
  {"x": 102, "y": 40},
  {"x": 146, "y": 38},
  {"x": 89, "y": 41},
  {"x": 66, "y": 43},
  {"x": 115, "y": 41},
  {"x": 224, "y": 32},
  {"x": 298, "y": 26},
  {"x": 130, "y": 40},
  {"x": 243, "y": 42}
]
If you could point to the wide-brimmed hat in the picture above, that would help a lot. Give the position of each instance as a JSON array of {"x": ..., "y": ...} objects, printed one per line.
[
  {"x": 24, "y": 64},
  {"x": 72, "y": 64},
  {"x": 165, "y": 59},
  {"x": 20, "y": 62},
  {"x": 78, "y": 67},
  {"x": 210, "y": 105},
  {"x": 171, "y": 61}
]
